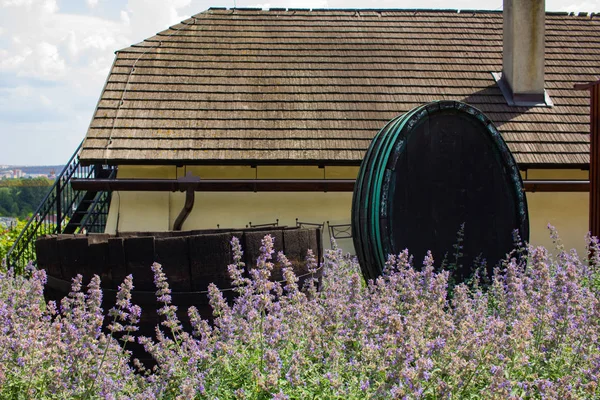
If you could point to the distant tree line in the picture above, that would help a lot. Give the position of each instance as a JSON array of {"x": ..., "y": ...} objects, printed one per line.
[
  {"x": 21, "y": 197},
  {"x": 26, "y": 182}
]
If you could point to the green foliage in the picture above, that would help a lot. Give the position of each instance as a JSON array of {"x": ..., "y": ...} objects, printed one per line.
[
  {"x": 26, "y": 182},
  {"x": 21, "y": 197},
  {"x": 8, "y": 237}
]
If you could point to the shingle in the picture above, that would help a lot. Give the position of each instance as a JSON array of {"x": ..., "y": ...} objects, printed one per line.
[{"x": 238, "y": 86}]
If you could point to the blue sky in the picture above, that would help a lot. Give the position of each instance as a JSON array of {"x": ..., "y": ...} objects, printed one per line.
[{"x": 55, "y": 56}]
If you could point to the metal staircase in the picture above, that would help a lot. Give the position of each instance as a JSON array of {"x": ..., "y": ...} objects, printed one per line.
[{"x": 65, "y": 210}]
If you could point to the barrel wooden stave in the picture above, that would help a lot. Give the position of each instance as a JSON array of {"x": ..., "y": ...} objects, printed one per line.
[{"x": 190, "y": 262}]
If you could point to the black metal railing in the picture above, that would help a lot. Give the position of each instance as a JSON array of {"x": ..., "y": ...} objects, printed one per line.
[
  {"x": 64, "y": 210},
  {"x": 301, "y": 224},
  {"x": 95, "y": 220},
  {"x": 339, "y": 231}
]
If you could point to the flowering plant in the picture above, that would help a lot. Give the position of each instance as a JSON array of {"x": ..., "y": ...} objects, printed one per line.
[{"x": 532, "y": 332}]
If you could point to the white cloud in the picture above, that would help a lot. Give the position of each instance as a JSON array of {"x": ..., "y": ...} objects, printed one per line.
[
  {"x": 584, "y": 6},
  {"x": 25, "y": 103},
  {"x": 16, "y": 3},
  {"x": 310, "y": 4},
  {"x": 42, "y": 61},
  {"x": 52, "y": 66},
  {"x": 48, "y": 63},
  {"x": 70, "y": 42},
  {"x": 45, "y": 100},
  {"x": 13, "y": 62},
  {"x": 9, "y": 94},
  {"x": 151, "y": 16},
  {"x": 50, "y": 6},
  {"x": 47, "y": 142},
  {"x": 99, "y": 42},
  {"x": 263, "y": 6},
  {"x": 61, "y": 44},
  {"x": 92, "y": 3},
  {"x": 125, "y": 17}
]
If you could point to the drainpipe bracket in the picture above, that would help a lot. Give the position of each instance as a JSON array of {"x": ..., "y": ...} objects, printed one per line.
[{"x": 189, "y": 181}]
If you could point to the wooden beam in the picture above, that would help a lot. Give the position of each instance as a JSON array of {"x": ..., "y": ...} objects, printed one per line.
[
  {"x": 216, "y": 185},
  {"x": 556, "y": 186},
  {"x": 594, "y": 88},
  {"x": 275, "y": 185}
]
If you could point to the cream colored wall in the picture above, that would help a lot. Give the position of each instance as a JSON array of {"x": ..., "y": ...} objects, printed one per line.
[
  {"x": 554, "y": 174},
  {"x": 140, "y": 211},
  {"x": 238, "y": 209},
  {"x": 157, "y": 211},
  {"x": 568, "y": 212}
]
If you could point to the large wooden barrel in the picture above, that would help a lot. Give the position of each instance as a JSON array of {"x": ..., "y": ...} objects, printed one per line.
[
  {"x": 191, "y": 261},
  {"x": 425, "y": 174}
]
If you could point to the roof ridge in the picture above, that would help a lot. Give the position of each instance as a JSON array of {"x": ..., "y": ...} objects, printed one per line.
[
  {"x": 424, "y": 10},
  {"x": 352, "y": 10}
]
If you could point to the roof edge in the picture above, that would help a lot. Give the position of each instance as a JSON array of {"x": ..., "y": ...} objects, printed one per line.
[{"x": 430, "y": 10}]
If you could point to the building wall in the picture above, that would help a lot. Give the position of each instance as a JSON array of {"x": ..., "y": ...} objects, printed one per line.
[
  {"x": 568, "y": 212},
  {"x": 157, "y": 211},
  {"x": 140, "y": 211}
]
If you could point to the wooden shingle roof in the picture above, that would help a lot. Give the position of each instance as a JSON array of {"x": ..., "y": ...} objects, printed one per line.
[{"x": 314, "y": 87}]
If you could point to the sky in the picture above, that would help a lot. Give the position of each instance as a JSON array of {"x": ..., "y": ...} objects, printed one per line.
[{"x": 55, "y": 56}]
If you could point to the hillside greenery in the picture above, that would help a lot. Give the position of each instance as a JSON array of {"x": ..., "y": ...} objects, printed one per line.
[{"x": 21, "y": 197}]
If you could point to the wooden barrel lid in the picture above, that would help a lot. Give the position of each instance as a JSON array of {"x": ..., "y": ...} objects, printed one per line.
[{"x": 425, "y": 174}]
